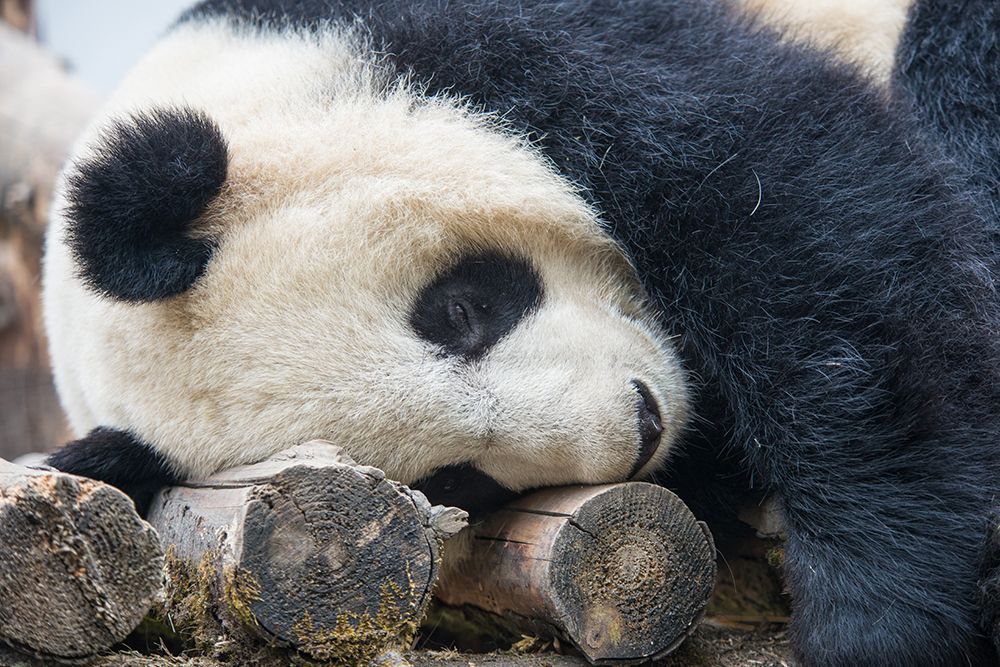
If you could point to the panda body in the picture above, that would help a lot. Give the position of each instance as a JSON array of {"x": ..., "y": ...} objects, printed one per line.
[{"x": 540, "y": 243}]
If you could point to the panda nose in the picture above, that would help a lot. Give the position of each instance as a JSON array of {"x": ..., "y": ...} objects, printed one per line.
[{"x": 650, "y": 426}]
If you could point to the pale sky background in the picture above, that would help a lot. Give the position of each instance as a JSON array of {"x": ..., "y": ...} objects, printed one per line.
[{"x": 101, "y": 39}]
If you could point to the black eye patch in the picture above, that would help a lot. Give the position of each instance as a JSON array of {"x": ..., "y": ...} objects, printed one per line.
[{"x": 470, "y": 307}]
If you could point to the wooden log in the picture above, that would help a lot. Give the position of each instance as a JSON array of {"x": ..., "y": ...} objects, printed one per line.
[
  {"x": 78, "y": 567},
  {"x": 306, "y": 550},
  {"x": 623, "y": 571}
]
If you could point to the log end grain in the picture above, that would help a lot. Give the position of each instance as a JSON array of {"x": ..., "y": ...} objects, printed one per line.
[
  {"x": 78, "y": 568},
  {"x": 339, "y": 536},
  {"x": 636, "y": 573},
  {"x": 305, "y": 550},
  {"x": 623, "y": 571}
]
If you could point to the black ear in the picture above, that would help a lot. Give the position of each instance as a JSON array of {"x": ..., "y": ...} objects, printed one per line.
[
  {"x": 131, "y": 205},
  {"x": 948, "y": 68}
]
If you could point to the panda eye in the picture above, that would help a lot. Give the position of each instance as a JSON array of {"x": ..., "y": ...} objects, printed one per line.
[
  {"x": 475, "y": 303},
  {"x": 459, "y": 315}
]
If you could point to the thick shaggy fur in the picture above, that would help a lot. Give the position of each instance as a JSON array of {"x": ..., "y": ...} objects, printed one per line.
[
  {"x": 120, "y": 459},
  {"x": 829, "y": 285},
  {"x": 948, "y": 69},
  {"x": 863, "y": 31}
]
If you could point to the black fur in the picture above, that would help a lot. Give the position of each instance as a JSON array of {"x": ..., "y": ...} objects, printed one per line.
[
  {"x": 466, "y": 487},
  {"x": 829, "y": 277},
  {"x": 469, "y": 308},
  {"x": 131, "y": 205},
  {"x": 119, "y": 459},
  {"x": 948, "y": 67}
]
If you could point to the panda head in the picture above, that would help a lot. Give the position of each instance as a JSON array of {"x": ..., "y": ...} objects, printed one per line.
[{"x": 393, "y": 273}]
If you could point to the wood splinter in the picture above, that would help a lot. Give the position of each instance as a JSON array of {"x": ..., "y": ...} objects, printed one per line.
[
  {"x": 78, "y": 567},
  {"x": 310, "y": 550},
  {"x": 623, "y": 571}
]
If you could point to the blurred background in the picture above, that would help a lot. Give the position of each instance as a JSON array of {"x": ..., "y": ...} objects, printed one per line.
[
  {"x": 58, "y": 58},
  {"x": 98, "y": 40}
]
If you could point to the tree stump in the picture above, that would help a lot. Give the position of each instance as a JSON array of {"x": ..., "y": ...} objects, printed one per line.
[
  {"x": 623, "y": 571},
  {"x": 306, "y": 550},
  {"x": 78, "y": 567}
]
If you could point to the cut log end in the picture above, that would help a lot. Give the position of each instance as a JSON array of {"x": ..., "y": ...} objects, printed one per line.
[
  {"x": 311, "y": 551},
  {"x": 78, "y": 568},
  {"x": 338, "y": 536},
  {"x": 623, "y": 571}
]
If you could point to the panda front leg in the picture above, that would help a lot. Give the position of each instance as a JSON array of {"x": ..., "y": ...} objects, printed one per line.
[{"x": 883, "y": 559}]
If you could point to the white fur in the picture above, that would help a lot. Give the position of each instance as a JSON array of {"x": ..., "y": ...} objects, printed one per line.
[
  {"x": 864, "y": 31},
  {"x": 346, "y": 194}
]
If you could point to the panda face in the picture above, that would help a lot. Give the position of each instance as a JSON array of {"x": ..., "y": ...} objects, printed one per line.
[
  {"x": 394, "y": 273},
  {"x": 525, "y": 356}
]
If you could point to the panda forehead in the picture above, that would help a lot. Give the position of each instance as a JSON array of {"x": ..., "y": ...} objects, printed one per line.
[
  {"x": 340, "y": 153},
  {"x": 342, "y": 120}
]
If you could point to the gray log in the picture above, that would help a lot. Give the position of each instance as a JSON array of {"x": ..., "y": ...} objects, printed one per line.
[
  {"x": 309, "y": 550},
  {"x": 623, "y": 571},
  {"x": 78, "y": 567}
]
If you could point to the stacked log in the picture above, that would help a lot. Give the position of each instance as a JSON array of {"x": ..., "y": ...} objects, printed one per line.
[
  {"x": 622, "y": 571},
  {"x": 305, "y": 550},
  {"x": 78, "y": 567}
]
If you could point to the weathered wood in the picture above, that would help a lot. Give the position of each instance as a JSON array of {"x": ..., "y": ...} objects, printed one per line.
[
  {"x": 42, "y": 110},
  {"x": 78, "y": 567},
  {"x": 307, "y": 550},
  {"x": 623, "y": 571}
]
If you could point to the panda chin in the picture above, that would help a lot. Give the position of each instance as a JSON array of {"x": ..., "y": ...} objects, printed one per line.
[{"x": 466, "y": 487}]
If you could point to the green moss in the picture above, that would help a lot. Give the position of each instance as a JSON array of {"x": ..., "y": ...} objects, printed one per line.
[
  {"x": 210, "y": 614},
  {"x": 213, "y": 612},
  {"x": 357, "y": 639},
  {"x": 240, "y": 590}
]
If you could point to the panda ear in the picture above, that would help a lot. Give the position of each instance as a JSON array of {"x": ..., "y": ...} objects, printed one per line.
[{"x": 131, "y": 204}]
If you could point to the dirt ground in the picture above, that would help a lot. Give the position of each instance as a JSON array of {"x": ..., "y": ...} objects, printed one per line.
[{"x": 710, "y": 646}]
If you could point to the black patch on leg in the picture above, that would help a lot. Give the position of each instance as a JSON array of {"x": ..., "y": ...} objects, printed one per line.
[
  {"x": 120, "y": 459},
  {"x": 130, "y": 206},
  {"x": 467, "y": 488}
]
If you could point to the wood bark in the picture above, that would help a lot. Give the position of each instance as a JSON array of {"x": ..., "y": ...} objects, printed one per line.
[
  {"x": 42, "y": 110},
  {"x": 623, "y": 571},
  {"x": 326, "y": 556},
  {"x": 78, "y": 567}
]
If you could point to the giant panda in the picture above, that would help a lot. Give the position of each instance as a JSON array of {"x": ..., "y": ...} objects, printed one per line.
[{"x": 493, "y": 246}]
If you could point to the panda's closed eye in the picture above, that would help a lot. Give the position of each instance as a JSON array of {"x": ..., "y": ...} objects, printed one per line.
[
  {"x": 460, "y": 317},
  {"x": 478, "y": 301}
]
